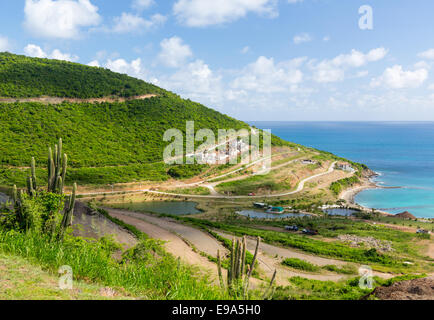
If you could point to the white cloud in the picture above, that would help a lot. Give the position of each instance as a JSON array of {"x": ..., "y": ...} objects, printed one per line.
[
  {"x": 245, "y": 50},
  {"x": 59, "y": 19},
  {"x": 422, "y": 65},
  {"x": 34, "y": 51},
  {"x": 196, "y": 81},
  {"x": 429, "y": 54},
  {"x": 358, "y": 59},
  {"x": 431, "y": 86},
  {"x": 326, "y": 39},
  {"x": 200, "y": 13},
  {"x": 301, "y": 38},
  {"x": 37, "y": 52},
  {"x": 4, "y": 44},
  {"x": 174, "y": 52},
  {"x": 128, "y": 22},
  {"x": 56, "y": 54},
  {"x": 396, "y": 78},
  {"x": 361, "y": 74},
  {"x": 94, "y": 63},
  {"x": 133, "y": 68},
  {"x": 334, "y": 70},
  {"x": 141, "y": 5},
  {"x": 265, "y": 76}
]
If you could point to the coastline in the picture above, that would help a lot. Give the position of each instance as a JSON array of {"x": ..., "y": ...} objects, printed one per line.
[{"x": 349, "y": 195}]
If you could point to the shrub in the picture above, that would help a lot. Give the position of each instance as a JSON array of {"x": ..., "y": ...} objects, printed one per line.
[{"x": 300, "y": 264}]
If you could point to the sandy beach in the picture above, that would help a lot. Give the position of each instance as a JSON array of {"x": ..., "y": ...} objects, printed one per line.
[{"x": 350, "y": 194}]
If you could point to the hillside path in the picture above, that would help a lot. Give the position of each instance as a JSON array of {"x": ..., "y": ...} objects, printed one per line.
[{"x": 59, "y": 100}]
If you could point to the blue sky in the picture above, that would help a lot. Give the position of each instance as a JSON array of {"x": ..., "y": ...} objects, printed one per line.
[{"x": 251, "y": 59}]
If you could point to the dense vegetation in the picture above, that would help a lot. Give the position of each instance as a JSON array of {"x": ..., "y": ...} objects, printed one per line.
[
  {"x": 22, "y": 76},
  {"x": 108, "y": 142},
  {"x": 106, "y": 134},
  {"x": 338, "y": 186}
]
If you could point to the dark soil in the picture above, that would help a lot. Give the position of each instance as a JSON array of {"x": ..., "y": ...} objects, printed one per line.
[{"x": 417, "y": 289}]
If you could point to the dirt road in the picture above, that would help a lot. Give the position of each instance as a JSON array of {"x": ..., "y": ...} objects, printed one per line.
[
  {"x": 58, "y": 100},
  {"x": 176, "y": 233},
  {"x": 174, "y": 244},
  {"x": 199, "y": 239}
]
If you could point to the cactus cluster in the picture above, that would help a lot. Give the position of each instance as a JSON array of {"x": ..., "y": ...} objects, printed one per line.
[
  {"x": 239, "y": 273},
  {"x": 57, "y": 166}
]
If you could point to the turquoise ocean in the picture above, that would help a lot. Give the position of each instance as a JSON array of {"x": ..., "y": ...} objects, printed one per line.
[{"x": 401, "y": 152}]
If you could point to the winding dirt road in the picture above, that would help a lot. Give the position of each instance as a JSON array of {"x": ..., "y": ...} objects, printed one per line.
[
  {"x": 199, "y": 239},
  {"x": 299, "y": 188},
  {"x": 216, "y": 195},
  {"x": 174, "y": 244},
  {"x": 179, "y": 239}
]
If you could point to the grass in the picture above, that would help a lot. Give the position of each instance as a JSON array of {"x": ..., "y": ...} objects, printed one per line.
[
  {"x": 346, "y": 269},
  {"x": 300, "y": 265},
  {"x": 405, "y": 244},
  {"x": 146, "y": 272},
  {"x": 21, "y": 280},
  {"x": 310, "y": 267},
  {"x": 252, "y": 184},
  {"x": 317, "y": 247},
  {"x": 202, "y": 191},
  {"x": 331, "y": 227},
  {"x": 307, "y": 289}
]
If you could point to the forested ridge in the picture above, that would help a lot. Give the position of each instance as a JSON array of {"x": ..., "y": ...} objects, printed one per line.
[{"x": 22, "y": 77}]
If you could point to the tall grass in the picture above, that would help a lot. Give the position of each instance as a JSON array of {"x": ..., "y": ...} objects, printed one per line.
[
  {"x": 154, "y": 276},
  {"x": 300, "y": 264}
]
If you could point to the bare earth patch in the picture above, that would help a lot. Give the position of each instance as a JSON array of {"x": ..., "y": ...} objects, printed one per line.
[{"x": 417, "y": 289}]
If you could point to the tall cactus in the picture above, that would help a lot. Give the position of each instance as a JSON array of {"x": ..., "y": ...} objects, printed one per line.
[
  {"x": 33, "y": 173},
  {"x": 14, "y": 195},
  {"x": 69, "y": 212},
  {"x": 30, "y": 189},
  {"x": 57, "y": 165},
  {"x": 238, "y": 279}
]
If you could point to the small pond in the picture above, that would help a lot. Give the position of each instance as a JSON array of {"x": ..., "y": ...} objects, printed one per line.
[
  {"x": 176, "y": 208},
  {"x": 264, "y": 215},
  {"x": 340, "y": 212}
]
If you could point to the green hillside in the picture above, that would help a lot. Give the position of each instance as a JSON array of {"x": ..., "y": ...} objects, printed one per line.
[
  {"x": 105, "y": 142},
  {"x": 21, "y": 76}
]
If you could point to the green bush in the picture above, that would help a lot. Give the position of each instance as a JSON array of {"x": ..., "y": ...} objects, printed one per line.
[
  {"x": 338, "y": 186},
  {"x": 300, "y": 264},
  {"x": 346, "y": 269},
  {"x": 186, "y": 171}
]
